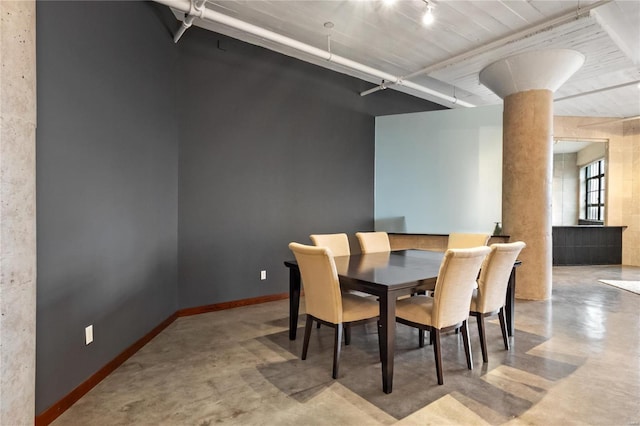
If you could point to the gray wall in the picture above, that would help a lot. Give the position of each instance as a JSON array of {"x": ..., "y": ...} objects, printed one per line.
[
  {"x": 107, "y": 185},
  {"x": 271, "y": 149}
]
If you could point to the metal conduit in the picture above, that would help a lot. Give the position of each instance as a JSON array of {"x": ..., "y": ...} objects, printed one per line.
[
  {"x": 211, "y": 15},
  {"x": 194, "y": 10}
]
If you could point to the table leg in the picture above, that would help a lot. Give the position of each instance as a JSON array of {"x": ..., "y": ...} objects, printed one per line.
[
  {"x": 294, "y": 301},
  {"x": 387, "y": 339},
  {"x": 511, "y": 301}
]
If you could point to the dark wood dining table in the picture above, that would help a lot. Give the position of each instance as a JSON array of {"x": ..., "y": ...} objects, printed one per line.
[{"x": 387, "y": 275}]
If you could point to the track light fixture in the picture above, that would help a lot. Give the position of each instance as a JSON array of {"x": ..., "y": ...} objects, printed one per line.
[{"x": 428, "y": 17}]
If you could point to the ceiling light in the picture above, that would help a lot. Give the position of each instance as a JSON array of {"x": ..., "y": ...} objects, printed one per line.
[
  {"x": 388, "y": 2},
  {"x": 428, "y": 17}
]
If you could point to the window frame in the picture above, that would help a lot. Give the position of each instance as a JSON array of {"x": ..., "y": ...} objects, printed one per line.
[{"x": 594, "y": 191}]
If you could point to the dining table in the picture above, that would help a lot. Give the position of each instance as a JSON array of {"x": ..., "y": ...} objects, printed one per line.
[{"x": 386, "y": 275}]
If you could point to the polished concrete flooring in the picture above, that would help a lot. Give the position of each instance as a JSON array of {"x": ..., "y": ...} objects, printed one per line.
[{"x": 575, "y": 360}]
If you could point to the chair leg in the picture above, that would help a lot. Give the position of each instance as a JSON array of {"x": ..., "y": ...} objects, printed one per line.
[
  {"x": 503, "y": 327},
  {"x": 347, "y": 334},
  {"x": 421, "y": 338},
  {"x": 438, "y": 355},
  {"x": 483, "y": 337},
  {"x": 307, "y": 335},
  {"x": 336, "y": 350},
  {"x": 467, "y": 344},
  {"x": 379, "y": 340}
]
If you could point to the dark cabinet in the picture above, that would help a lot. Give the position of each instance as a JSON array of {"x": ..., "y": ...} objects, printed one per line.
[{"x": 587, "y": 245}]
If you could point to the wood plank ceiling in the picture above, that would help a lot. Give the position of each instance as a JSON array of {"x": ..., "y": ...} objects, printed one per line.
[{"x": 392, "y": 38}]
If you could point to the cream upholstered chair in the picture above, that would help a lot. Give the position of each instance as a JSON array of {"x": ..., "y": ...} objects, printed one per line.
[
  {"x": 489, "y": 298},
  {"x": 373, "y": 242},
  {"x": 338, "y": 243},
  {"x": 323, "y": 300},
  {"x": 458, "y": 240},
  {"x": 447, "y": 310}
]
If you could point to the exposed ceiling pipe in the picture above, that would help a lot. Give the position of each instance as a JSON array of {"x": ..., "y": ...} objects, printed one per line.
[
  {"x": 211, "y": 15},
  {"x": 543, "y": 26},
  {"x": 195, "y": 10}
]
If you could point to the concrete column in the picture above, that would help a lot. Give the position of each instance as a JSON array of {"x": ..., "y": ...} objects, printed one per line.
[
  {"x": 526, "y": 82},
  {"x": 17, "y": 212},
  {"x": 527, "y": 164}
]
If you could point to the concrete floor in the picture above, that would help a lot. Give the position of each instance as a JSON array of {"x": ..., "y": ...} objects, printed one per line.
[{"x": 574, "y": 360}]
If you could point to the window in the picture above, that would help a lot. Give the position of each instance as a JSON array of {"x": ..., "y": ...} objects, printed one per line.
[{"x": 594, "y": 191}]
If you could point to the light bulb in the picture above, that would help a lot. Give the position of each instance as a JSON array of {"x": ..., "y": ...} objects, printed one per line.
[{"x": 428, "y": 17}]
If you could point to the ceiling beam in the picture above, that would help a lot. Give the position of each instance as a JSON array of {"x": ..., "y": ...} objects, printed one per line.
[
  {"x": 602, "y": 89},
  {"x": 581, "y": 12},
  {"x": 619, "y": 120}
]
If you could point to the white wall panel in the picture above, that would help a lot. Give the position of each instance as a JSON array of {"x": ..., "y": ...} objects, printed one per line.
[{"x": 439, "y": 172}]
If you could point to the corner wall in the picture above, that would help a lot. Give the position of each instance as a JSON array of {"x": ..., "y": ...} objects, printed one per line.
[
  {"x": 623, "y": 169},
  {"x": 631, "y": 201},
  {"x": 566, "y": 182},
  {"x": 107, "y": 182}
]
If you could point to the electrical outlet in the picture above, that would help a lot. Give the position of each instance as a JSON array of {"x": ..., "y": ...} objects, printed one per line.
[
  {"x": 263, "y": 275},
  {"x": 88, "y": 334}
]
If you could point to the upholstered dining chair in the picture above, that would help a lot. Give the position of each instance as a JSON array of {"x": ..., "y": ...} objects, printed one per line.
[
  {"x": 447, "y": 309},
  {"x": 458, "y": 240},
  {"x": 323, "y": 300},
  {"x": 489, "y": 298},
  {"x": 373, "y": 242},
  {"x": 338, "y": 243}
]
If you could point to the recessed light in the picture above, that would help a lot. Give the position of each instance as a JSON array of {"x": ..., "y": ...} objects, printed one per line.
[
  {"x": 428, "y": 18},
  {"x": 328, "y": 24}
]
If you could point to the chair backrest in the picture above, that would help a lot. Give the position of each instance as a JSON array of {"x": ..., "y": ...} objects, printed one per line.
[
  {"x": 322, "y": 294},
  {"x": 494, "y": 276},
  {"x": 454, "y": 286},
  {"x": 338, "y": 243},
  {"x": 458, "y": 240},
  {"x": 373, "y": 242}
]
